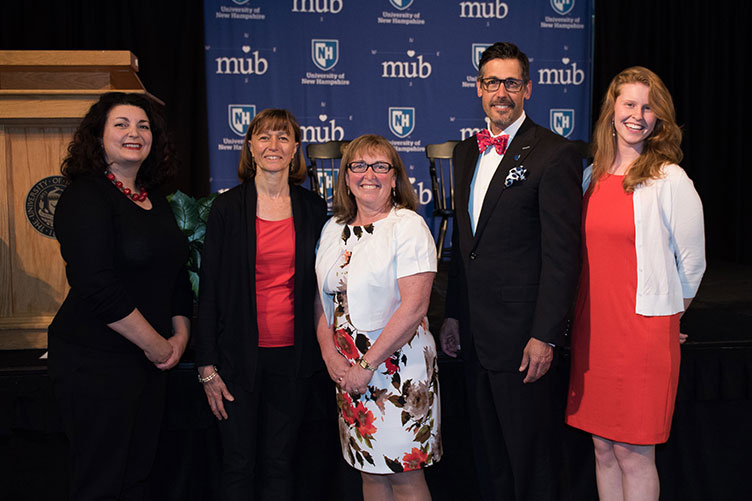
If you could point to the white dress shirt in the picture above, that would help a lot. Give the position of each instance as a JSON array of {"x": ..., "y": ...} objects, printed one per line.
[{"x": 488, "y": 162}]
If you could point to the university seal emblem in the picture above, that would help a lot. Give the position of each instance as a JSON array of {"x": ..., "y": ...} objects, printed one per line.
[{"x": 41, "y": 202}]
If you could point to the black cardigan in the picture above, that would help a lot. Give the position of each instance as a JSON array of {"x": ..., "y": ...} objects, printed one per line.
[{"x": 227, "y": 331}]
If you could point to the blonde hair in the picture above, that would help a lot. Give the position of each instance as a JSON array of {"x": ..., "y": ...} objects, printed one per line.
[
  {"x": 662, "y": 146},
  {"x": 344, "y": 206},
  {"x": 272, "y": 119}
]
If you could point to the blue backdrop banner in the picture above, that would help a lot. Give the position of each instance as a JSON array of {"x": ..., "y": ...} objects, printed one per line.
[{"x": 405, "y": 69}]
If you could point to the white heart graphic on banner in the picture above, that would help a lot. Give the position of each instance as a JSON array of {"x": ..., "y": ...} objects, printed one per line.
[
  {"x": 411, "y": 53},
  {"x": 246, "y": 48},
  {"x": 322, "y": 117},
  {"x": 565, "y": 60}
]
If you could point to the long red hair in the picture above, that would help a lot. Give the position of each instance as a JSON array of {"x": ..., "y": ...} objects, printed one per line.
[{"x": 662, "y": 146}]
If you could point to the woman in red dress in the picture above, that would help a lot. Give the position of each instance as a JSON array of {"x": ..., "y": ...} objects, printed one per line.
[{"x": 643, "y": 259}]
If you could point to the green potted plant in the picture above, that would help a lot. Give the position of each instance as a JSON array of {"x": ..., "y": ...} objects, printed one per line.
[{"x": 191, "y": 215}]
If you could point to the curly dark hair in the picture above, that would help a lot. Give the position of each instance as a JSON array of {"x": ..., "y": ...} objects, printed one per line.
[{"x": 86, "y": 153}]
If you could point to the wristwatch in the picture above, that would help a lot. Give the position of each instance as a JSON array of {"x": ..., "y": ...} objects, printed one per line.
[{"x": 364, "y": 363}]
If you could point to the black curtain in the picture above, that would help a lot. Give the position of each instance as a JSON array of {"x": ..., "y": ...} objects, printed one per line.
[
  {"x": 166, "y": 36},
  {"x": 697, "y": 47}
]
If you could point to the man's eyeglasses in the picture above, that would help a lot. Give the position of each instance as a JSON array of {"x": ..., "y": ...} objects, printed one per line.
[
  {"x": 493, "y": 84},
  {"x": 376, "y": 167}
]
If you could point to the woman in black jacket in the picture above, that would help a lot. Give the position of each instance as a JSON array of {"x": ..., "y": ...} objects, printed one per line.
[{"x": 255, "y": 342}]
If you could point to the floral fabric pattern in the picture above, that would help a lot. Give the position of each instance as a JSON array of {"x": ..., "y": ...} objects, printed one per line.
[{"x": 395, "y": 425}]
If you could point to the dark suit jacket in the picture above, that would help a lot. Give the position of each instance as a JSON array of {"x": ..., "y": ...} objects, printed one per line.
[
  {"x": 516, "y": 277},
  {"x": 227, "y": 331}
]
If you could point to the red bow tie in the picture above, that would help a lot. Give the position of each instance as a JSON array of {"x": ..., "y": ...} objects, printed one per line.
[{"x": 485, "y": 140}]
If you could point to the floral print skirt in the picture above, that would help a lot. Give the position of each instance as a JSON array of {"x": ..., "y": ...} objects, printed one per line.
[{"x": 395, "y": 425}]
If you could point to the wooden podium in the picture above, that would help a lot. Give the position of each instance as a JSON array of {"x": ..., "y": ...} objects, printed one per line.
[{"x": 43, "y": 96}]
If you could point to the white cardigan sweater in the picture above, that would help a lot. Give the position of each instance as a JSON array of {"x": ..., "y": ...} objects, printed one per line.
[{"x": 669, "y": 241}]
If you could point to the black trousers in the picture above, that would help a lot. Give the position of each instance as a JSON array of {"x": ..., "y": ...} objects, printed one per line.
[
  {"x": 111, "y": 407},
  {"x": 260, "y": 435},
  {"x": 514, "y": 438}
]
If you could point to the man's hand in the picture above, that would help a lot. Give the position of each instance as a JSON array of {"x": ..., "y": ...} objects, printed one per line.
[
  {"x": 536, "y": 358},
  {"x": 449, "y": 337}
]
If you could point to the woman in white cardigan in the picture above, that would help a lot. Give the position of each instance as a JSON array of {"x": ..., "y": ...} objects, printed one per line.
[
  {"x": 375, "y": 266},
  {"x": 643, "y": 259}
]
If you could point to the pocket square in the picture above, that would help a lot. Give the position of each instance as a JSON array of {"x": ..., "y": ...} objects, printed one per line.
[{"x": 515, "y": 175}]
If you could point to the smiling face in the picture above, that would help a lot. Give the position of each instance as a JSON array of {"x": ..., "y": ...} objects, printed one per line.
[
  {"x": 634, "y": 120},
  {"x": 126, "y": 137},
  {"x": 501, "y": 106},
  {"x": 371, "y": 191},
  {"x": 272, "y": 150}
]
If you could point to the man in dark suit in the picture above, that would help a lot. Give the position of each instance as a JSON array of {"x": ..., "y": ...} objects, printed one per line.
[{"x": 515, "y": 265}]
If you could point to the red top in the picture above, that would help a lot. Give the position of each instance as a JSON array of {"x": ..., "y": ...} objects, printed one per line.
[{"x": 275, "y": 282}]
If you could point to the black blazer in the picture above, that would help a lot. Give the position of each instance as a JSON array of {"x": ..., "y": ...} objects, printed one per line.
[
  {"x": 516, "y": 277},
  {"x": 227, "y": 331}
]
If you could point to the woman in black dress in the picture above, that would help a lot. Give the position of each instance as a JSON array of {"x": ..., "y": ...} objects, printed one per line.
[{"x": 126, "y": 317}]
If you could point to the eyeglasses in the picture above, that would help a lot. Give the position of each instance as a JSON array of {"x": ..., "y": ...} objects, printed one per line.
[
  {"x": 493, "y": 84},
  {"x": 376, "y": 167}
]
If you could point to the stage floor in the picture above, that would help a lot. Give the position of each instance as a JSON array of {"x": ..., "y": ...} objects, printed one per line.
[{"x": 705, "y": 457}]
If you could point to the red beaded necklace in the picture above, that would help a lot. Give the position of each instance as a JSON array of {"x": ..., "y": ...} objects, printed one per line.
[{"x": 136, "y": 197}]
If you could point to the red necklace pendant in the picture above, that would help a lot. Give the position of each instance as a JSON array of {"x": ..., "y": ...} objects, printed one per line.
[{"x": 136, "y": 197}]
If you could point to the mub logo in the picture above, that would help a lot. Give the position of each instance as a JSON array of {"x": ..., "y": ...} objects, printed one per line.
[
  {"x": 478, "y": 49},
  {"x": 401, "y": 4},
  {"x": 407, "y": 69},
  {"x": 562, "y": 121},
  {"x": 325, "y": 53},
  {"x": 569, "y": 75},
  {"x": 239, "y": 117},
  {"x": 401, "y": 121},
  {"x": 562, "y": 7}
]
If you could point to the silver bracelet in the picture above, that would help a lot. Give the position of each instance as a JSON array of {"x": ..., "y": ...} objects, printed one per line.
[{"x": 204, "y": 380}]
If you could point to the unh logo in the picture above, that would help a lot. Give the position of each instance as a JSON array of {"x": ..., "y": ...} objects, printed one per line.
[
  {"x": 325, "y": 53},
  {"x": 401, "y": 4},
  {"x": 401, "y": 121},
  {"x": 562, "y": 121},
  {"x": 478, "y": 49},
  {"x": 562, "y": 7},
  {"x": 239, "y": 116}
]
